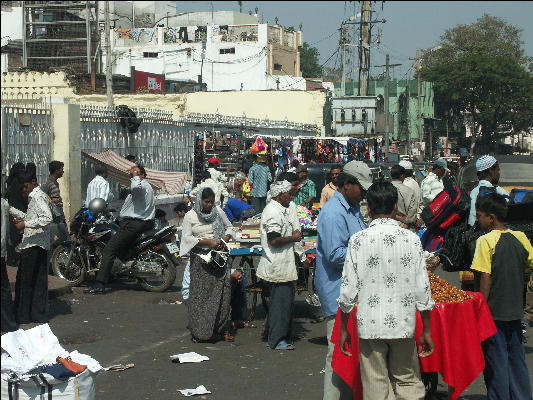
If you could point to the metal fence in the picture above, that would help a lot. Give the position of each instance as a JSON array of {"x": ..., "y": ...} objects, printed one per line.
[
  {"x": 252, "y": 126},
  {"x": 160, "y": 143},
  {"x": 27, "y": 135}
]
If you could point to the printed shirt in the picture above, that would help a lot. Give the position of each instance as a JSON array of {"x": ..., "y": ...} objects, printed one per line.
[
  {"x": 258, "y": 177},
  {"x": 37, "y": 220},
  {"x": 504, "y": 255},
  {"x": 140, "y": 202},
  {"x": 98, "y": 188},
  {"x": 327, "y": 193},
  {"x": 306, "y": 190},
  {"x": 277, "y": 264},
  {"x": 385, "y": 267},
  {"x": 473, "y": 198},
  {"x": 337, "y": 222},
  {"x": 51, "y": 188}
]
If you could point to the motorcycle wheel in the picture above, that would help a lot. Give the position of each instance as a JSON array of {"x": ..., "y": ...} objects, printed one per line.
[
  {"x": 169, "y": 272},
  {"x": 74, "y": 273}
]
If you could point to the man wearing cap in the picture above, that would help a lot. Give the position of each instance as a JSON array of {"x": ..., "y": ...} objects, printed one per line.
[
  {"x": 463, "y": 159},
  {"x": 432, "y": 184},
  {"x": 488, "y": 173},
  {"x": 339, "y": 219},
  {"x": 307, "y": 191},
  {"x": 215, "y": 174},
  {"x": 259, "y": 176},
  {"x": 407, "y": 203}
]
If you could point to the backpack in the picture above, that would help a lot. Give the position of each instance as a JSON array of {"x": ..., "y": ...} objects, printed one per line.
[
  {"x": 447, "y": 209},
  {"x": 455, "y": 253},
  {"x": 128, "y": 119}
]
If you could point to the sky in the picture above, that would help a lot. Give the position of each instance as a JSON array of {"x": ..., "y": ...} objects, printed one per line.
[{"x": 410, "y": 25}]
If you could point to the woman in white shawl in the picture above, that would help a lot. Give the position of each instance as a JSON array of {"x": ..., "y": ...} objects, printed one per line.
[{"x": 204, "y": 227}]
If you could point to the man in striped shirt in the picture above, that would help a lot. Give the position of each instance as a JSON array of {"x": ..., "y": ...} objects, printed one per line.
[
  {"x": 259, "y": 176},
  {"x": 98, "y": 188}
]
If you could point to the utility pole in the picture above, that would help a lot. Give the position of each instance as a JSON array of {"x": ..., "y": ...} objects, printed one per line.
[
  {"x": 109, "y": 62},
  {"x": 386, "y": 102},
  {"x": 365, "y": 50},
  {"x": 419, "y": 108},
  {"x": 343, "y": 44}
]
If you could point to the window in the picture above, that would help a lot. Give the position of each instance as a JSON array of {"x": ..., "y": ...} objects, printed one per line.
[
  {"x": 147, "y": 54},
  {"x": 277, "y": 67},
  {"x": 343, "y": 115},
  {"x": 230, "y": 50}
]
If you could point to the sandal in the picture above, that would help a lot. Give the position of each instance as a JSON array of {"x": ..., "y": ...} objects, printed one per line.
[
  {"x": 283, "y": 345},
  {"x": 244, "y": 324},
  {"x": 228, "y": 337}
]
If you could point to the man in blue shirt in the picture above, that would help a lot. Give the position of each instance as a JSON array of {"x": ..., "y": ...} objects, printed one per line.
[
  {"x": 234, "y": 209},
  {"x": 339, "y": 219}
]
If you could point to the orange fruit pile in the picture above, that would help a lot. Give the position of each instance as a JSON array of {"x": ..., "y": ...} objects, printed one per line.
[{"x": 443, "y": 292}]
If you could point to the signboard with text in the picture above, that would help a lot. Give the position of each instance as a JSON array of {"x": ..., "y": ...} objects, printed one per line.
[{"x": 146, "y": 82}]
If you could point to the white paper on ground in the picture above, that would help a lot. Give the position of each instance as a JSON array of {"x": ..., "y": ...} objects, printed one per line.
[
  {"x": 191, "y": 357},
  {"x": 193, "y": 392}
]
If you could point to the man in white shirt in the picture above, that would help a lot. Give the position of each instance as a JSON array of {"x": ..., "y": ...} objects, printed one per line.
[
  {"x": 412, "y": 184},
  {"x": 217, "y": 187},
  {"x": 32, "y": 277},
  {"x": 136, "y": 216},
  {"x": 216, "y": 175},
  {"x": 385, "y": 271},
  {"x": 488, "y": 173},
  {"x": 98, "y": 188},
  {"x": 432, "y": 184},
  {"x": 277, "y": 267}
]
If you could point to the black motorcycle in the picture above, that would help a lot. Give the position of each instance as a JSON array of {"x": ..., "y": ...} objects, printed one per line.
[{"x": 149, "y": 260}]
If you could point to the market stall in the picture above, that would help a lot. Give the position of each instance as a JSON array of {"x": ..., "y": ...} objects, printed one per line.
[{"x": 460, "y": 321}]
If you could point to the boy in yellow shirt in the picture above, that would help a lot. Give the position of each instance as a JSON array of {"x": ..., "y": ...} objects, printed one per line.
[{"x": 499, "y": 263}]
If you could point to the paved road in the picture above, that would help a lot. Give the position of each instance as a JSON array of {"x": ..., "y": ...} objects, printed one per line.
[{"x": 130, "y": 325}]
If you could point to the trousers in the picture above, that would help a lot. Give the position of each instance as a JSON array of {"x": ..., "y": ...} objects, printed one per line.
[
  {"x": 334, "y": 387},
  {"x": 386, "y": 363},
  {"x": 9, "y": 322},
  {"x": 280, "y": 307},
  {"x": 506, "y": 374},
  {"x": 128, "y": 233},
  {"x": 258, "y": 203},
  {"x": 31, "y": 288}
]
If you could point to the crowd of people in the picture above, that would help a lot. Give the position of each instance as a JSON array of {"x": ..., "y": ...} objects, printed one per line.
[{"x": 367, "y": 254}]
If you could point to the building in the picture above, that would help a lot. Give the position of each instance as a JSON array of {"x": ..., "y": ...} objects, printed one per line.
[
  {"x": 229, "y": 56},
  {"x": 403, "y": 107},
  {"x": 354, "y": 116},
  {"x": 138, "y": 14}
]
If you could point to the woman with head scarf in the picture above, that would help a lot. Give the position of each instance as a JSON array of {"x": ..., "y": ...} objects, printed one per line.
[
  {"x": 277, "y": 267},
  {"x": 205, "y": 227}
]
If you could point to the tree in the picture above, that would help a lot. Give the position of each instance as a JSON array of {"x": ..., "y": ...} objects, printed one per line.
[
  {"x": 496, "y": 92},
  {"x": 309, "y": 64},
  {"x": 489, "y": 35},
  {"x": 479, "y": 72}
]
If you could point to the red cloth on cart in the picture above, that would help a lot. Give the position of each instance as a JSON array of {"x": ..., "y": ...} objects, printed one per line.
[{"x": 457, "y": 330}]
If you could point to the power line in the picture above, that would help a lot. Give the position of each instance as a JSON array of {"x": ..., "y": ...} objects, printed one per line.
[{"x": 325, "y": 38}]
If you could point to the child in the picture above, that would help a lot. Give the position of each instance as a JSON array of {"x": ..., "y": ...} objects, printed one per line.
[{"x": 499, "y": 263}]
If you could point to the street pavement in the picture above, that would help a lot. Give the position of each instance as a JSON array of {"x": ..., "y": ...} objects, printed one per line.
[{"x": 130, "y": 325}]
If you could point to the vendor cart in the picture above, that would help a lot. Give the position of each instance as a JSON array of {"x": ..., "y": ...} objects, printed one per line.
[{"x": 246, "y": 257}]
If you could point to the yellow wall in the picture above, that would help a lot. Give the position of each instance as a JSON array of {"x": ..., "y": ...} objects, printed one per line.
[{"x": 296, "y": 106}]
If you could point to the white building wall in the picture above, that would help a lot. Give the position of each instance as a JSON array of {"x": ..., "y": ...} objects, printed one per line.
[
  {"x": 246, "y": 69},
  {"x": 11, "y": 25}
]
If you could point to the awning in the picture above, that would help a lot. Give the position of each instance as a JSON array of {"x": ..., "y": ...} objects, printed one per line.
[{"x": 117, "y": 167}]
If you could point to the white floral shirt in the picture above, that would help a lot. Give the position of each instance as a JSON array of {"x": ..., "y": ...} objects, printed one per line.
[{"x": 385, "y": 267}]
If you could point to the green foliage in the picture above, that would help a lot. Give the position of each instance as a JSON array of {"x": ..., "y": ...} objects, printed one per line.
[
  {"x": 309, "y": 64},
  {"x": 481, "y": 69},
  {"x": 496, "y": 91}
]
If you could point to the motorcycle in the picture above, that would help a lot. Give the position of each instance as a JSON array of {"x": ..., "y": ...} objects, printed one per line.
[{"x": 149, "y": 260}]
